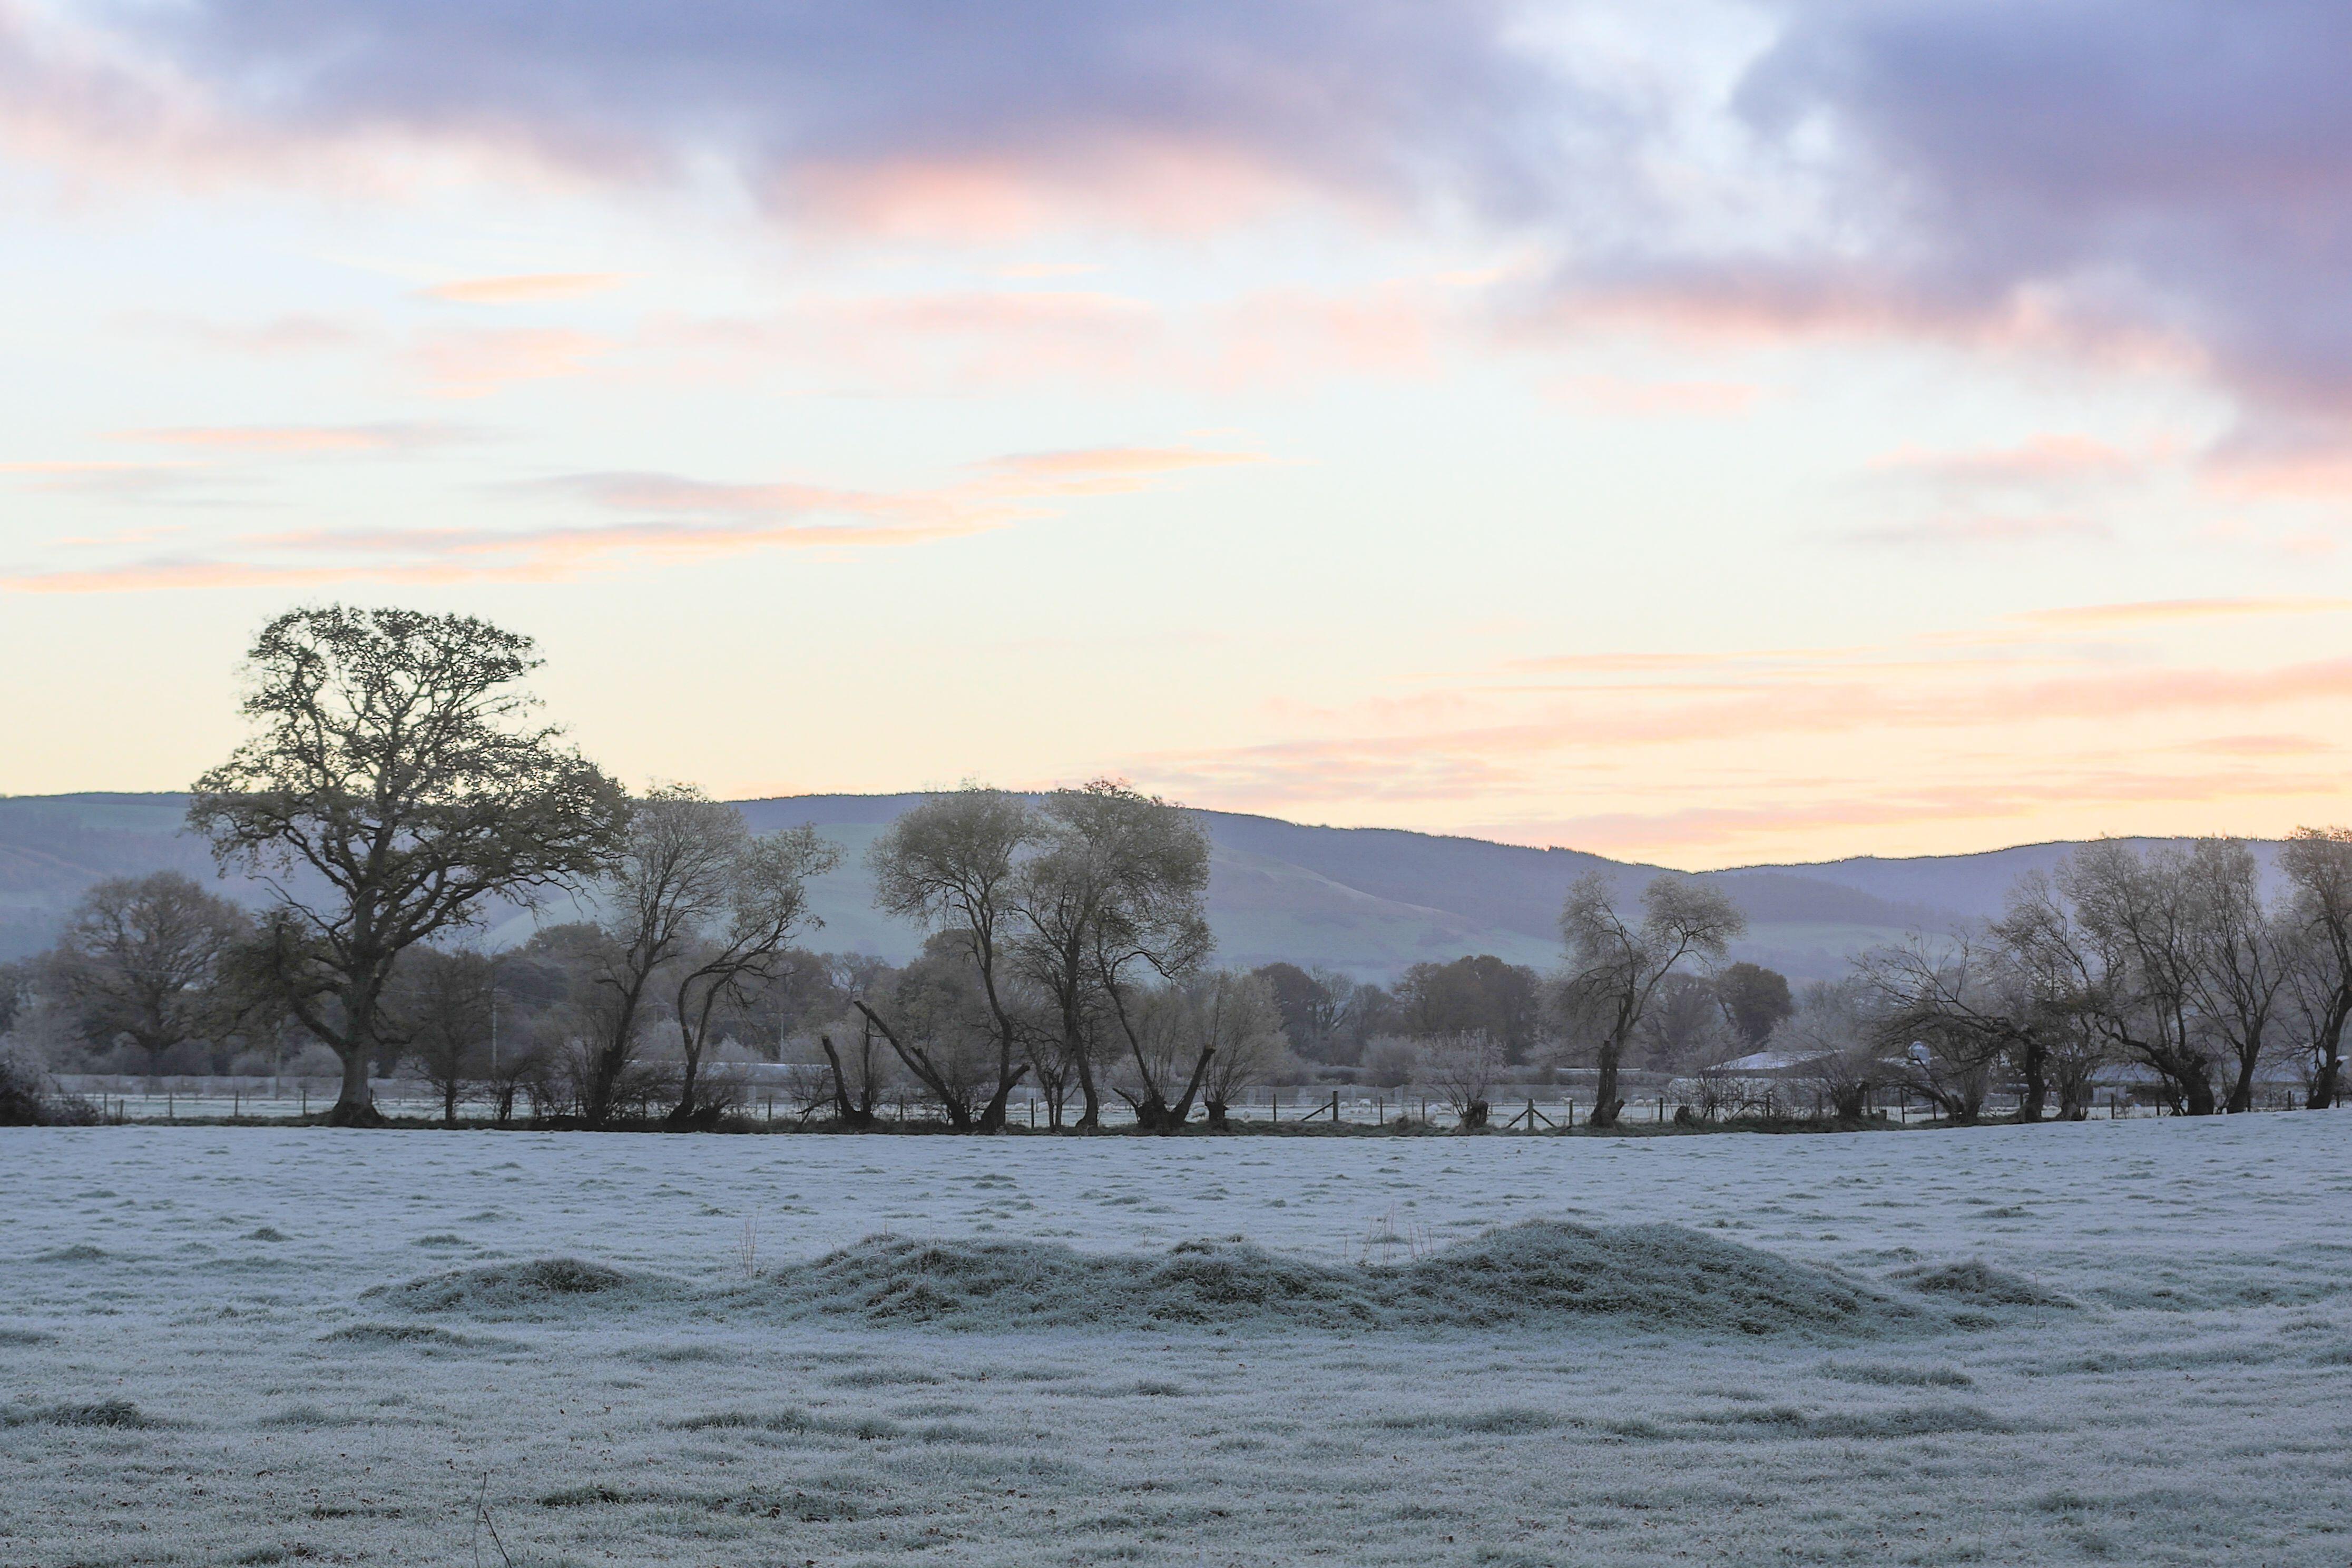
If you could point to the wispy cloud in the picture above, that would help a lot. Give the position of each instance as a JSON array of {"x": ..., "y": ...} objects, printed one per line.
[{"x": 668, "y": 518}]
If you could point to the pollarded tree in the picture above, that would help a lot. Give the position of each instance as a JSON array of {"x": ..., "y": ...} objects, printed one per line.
[
  {"x": 948, "y": 866},
  {"x": 1465, "y": 1068},
  {"x": 1616, "y": 965},
  {"x": 149, "y": 959},
  {"x": 393, "y": 766},
  {"x": 1116, "y": 893}
]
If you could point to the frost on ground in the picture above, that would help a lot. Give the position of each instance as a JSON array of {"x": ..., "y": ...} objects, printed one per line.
[{"x": 2129, "y": 1342}]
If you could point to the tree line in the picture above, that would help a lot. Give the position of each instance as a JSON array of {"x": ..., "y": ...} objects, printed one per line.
[{"x": 397, "y": 793}]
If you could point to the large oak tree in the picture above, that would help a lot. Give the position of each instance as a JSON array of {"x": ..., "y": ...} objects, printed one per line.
[{"x": 393, "y": 787}]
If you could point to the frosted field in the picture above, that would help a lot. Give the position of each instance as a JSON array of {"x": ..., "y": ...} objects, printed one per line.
[{"x": 2155, "y": 1365}]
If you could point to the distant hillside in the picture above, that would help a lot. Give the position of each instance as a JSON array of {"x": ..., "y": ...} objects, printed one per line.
[{"x": 1367, "y": 900}]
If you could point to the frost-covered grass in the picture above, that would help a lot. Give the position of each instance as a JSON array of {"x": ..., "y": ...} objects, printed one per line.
[{"x": 2127, "y": 1342}]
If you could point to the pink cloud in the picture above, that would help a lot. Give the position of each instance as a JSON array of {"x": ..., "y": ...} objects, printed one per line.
[{"x": 2041, "y": 460}]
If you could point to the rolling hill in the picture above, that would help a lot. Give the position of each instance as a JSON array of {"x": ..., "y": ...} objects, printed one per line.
[{"x": 1367, "y": 900}]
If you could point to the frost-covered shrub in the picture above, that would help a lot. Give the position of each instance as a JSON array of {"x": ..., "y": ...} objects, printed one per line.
[
  {"x": 1391, "y": 1062},
  {"x": 25, "y": 1096},
  {"x": 20, "y": 1087},
  {"x": 315, "y": 1060}
]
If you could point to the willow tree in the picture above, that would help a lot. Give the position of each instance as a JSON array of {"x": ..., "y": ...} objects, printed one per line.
[
  {"x": 1115, "y": 896},
  {"x": 1617, "y": 964},
  {"x": 948, "y": 866},
  {"x": 393, "y": 788}
]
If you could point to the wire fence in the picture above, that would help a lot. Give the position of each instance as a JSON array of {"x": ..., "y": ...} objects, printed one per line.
[{"x": 1548, "y": 1109}]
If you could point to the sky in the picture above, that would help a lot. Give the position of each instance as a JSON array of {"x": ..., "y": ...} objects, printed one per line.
[{"x": 1702, "y": 433}]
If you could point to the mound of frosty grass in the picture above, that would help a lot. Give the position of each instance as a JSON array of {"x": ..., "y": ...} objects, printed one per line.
[
  {"x": 1535, "y": 1274},
  {"x": 1980, "y": 1284}
]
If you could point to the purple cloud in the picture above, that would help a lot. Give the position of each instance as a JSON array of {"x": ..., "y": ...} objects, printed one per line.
[
  {"x": 1370, "y": 96},
  {"x": 2172, "y": 168}
]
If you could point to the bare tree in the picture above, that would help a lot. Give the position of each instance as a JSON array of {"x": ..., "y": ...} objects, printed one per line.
[
  {"x": 1833, "y": 1034},
  {"x": 2240, "y": 974},
  {"x": 1617, "y": 966},
  {"x": 392, "y": 763},
  {"x": 764, "y": 905},
  {"x": 2061, "y": 1047},
  {"x": 1241, "y": 1021},
  {"x": 146, "y": 960},
  {"x": 443, "y": 1003},
  {"x": 2134, "y": 939},
  {"x": 1464, "y": 1068},
  {"x": 942, "y": 1025},
  {"x": 948, "y": 866},
  {"x": 1116, "y": 893},
  {"x": 860, "y": 1070},
  {"x": 2317, "y": 863},
  {"x": 672, "y": 877},
  {"x": 1688, "y": 1025},
  {"x": 1950, "y": 1014}
]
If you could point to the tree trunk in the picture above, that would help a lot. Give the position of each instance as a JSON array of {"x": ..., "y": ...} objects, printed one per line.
[
  {"x": 449, "y": 1104},
  {"x": 1216, "y": 1109},
  {"x": 992, "y": 1114},
  {"x": 2035, "y": 1071},
  {"x": 1181, "y": 1112},
  {"x": 1847, "y": 1101},
  {"x": 355, "y": 1106},
  {"x": 2331, "y": 1054},
  {"x": 1474, "y": 1115},
  {"x": 848, "y": 1115},
  {"x": 1605, "y": 1101},
  {"x": 2242, "y": 1091}
]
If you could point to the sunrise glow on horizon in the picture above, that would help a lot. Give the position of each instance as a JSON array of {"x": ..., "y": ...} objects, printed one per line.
[{"x": 1701, "y": 433}]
